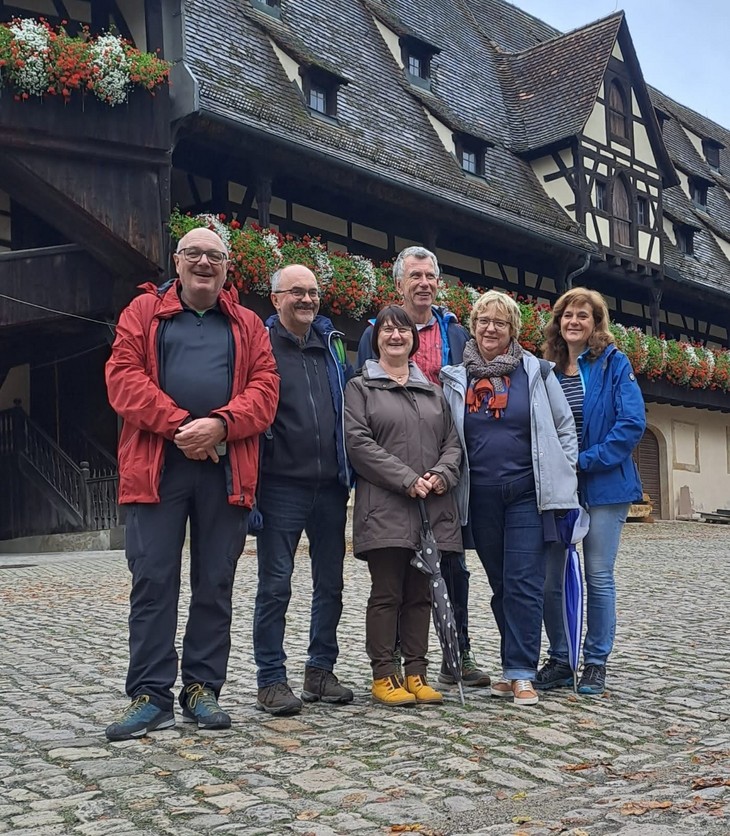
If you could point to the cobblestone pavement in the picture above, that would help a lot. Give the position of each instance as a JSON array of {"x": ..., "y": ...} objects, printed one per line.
[{"x": 650, "y": 758}]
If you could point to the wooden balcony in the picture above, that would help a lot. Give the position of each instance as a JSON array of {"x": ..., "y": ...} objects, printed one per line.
[
  {"x": 97, "y": 174},
  {"x": 64, "y": 278}
]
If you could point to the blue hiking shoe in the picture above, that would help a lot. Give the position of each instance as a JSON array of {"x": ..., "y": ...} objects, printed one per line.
[
  {"x": 201, "y": 706},
  {"x": 593, "y": 680},
  {"x": 554, "y": 674},
  {"x": 139, "y": 719}
]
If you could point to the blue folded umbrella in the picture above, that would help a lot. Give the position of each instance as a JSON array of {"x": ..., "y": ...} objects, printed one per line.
[{"x": 572, "y": 527}]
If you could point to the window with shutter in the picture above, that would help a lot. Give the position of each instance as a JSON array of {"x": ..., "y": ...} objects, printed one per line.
[
  {"x": 617, "y": 111},
  {"x": 621, "y": 211}
]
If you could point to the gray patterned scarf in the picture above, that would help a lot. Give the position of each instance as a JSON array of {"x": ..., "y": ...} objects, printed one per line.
[{"x": 496, "y": 370}]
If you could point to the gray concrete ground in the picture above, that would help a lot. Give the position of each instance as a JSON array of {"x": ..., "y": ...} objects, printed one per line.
[{"x": 650, "y": 758}]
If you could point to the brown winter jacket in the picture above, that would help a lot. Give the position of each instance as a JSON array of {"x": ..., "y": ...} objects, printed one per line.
[{"x": 394, "y": 435}]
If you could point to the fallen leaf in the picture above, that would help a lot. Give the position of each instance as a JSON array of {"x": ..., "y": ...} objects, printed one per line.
[
  {"x": 163, "y": 773},
  {"x": 501, "y": 795},
  {"x": 307, "y": 815},
  {"x": 521, "y": 819},
  {"x": 704, "y": 783},
  {"x": 191, "y": 756},
  {"x": 518, "y": 796},
  {"x": 638, "y": 808},
  {"x": 577, "y": 767}
]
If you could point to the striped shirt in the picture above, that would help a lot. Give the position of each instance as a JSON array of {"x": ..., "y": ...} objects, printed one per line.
[
  {"x": 573, "y": 391},
  {"x": 428, "y": 356}
]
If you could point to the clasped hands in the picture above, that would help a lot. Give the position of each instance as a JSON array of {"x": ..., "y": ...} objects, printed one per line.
[
  {"x": 197, "y": 438},
  {"x": 423, "y": 486}
]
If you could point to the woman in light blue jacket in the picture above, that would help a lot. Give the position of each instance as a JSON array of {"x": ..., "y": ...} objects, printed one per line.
[
  {"x": 520, "y": 452},
  {"x": 609, "y": 412}
]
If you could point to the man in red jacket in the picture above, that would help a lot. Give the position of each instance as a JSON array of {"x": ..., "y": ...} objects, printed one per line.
[{"x": 193, "y": 377}]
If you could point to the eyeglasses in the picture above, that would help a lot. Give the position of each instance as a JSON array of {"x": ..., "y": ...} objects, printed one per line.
[
  {"x": 300, "y": 292},
  {"x": 499, "y": 324},
  {"x": 193, "y": 255},
  {"x": 389, "y": 330}
]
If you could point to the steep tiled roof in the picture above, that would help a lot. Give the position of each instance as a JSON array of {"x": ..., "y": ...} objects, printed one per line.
[
  {"x": 500, "y": 75},
  {"x": 553, "y": 86},
  {"x": 381, "y": 125}
]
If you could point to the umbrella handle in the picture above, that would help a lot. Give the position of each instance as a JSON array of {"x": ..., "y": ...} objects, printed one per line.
[{"x": 424, "y": 516}]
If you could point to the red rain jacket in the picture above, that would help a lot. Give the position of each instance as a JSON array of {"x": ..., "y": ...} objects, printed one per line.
[{"x": 151, "y": 416}]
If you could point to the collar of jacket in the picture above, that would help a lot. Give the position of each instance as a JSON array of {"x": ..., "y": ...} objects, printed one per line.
[
  {"x": 170, "y": 303},
  {"x": 373, "y": 372},
  {"x": 320, "y": 324}
]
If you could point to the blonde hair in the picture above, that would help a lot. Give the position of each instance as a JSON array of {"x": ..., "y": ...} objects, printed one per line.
[
  {"x": 504, "y": 304},
  {"x": 555, "y": 348}
]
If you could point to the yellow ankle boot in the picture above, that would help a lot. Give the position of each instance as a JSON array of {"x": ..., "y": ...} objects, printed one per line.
[
  {"x": 389, "y": 691},
  {"x": 422, "y": 691}
]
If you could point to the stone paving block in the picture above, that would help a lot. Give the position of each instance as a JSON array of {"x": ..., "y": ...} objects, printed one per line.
[{"x": 467, "y": 770}]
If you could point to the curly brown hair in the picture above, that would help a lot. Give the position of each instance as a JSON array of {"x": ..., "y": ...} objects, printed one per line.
[{"x": 555, "y": 348}]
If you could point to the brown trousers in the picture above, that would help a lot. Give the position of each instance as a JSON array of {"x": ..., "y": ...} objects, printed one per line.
[{"x": 399, "y": 596}]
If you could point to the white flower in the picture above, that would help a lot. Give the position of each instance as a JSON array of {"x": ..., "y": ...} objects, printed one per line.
[
  {"x": 33, "y": 44},
  {"x": 322, "y": 262},
  {"x": 111, "y": 81},
  {"x": 215, "y": 223},
  {"x": 368, "y": 282}
]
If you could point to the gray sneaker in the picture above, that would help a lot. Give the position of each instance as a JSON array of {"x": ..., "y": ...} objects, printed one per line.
[
  {"x": 554, "y": 674},
  {"x": 323, "y": 685},
  {"x": 471, "y": 674},
  {"x": 278, "y": 699}
]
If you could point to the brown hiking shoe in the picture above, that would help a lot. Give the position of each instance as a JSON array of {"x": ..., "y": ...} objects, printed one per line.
[{"x": 278, "y": 699}]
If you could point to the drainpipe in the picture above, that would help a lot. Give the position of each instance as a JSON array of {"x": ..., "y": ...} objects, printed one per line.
[{"x": 569, "y": 278}]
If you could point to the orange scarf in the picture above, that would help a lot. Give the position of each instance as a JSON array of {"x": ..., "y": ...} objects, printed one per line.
[{"x": 481, "y": 389}]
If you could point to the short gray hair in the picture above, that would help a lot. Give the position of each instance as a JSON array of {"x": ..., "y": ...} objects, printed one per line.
[{"x": 413, "y": 252}]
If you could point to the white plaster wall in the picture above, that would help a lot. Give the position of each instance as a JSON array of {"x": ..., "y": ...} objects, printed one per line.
[
  {"x": 642, "y": 146},
  {"x": 560, "y": 189},
  {"x": 16, "y": 385},
  {"x": 391, "y": 41},
  {"x": 291, "y": 68},
  {"x": 707, "y": 477},
  {"x": 443, "y": 132},
  {"x": 596, "y": 125}
]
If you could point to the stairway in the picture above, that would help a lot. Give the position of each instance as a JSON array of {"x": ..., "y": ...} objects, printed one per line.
[{"x": 44, "y": 491}]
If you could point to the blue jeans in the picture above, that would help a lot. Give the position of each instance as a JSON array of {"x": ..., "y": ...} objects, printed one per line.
[
  {"x": 599, "y": 558},
  {"x": 509, "y": 539},
  {"x": 288, "y": 508}
]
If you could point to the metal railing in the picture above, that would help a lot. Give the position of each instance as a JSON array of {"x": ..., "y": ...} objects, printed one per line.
[{"x": 92, "y": 494}]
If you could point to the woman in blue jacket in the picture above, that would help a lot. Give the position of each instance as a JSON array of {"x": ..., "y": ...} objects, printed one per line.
[{"x": 608, "y": 408}]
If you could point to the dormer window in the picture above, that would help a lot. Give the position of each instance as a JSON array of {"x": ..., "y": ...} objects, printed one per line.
[
  {"x": 698, "y": 193},
  {"x": 271, "y": 7},
  {"x": 618, "y": 112},
  {"x": 711, "y": 150},
  {"x": 470, "y": 154},
  {"x": 416, "y": 56},
  {"x": 685, "y": 239},
  {"x": 320, "y": 90}
]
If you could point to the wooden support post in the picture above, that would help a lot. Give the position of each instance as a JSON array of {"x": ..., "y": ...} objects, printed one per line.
[
  {"x": 655, "y": 306},
  {"x": 263, "y": 201}
]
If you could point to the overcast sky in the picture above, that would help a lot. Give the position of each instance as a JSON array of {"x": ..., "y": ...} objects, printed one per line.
[{"x": 682, "y": 45}]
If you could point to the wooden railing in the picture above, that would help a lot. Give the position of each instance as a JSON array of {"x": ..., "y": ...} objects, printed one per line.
[{"x": 92, "y": 494}]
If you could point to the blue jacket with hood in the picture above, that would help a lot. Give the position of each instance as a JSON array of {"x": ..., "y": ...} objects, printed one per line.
[{"x": 614, "y": 420}]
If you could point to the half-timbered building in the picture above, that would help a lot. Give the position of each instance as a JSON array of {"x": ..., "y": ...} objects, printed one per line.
[{"x": 528, "y": 159}]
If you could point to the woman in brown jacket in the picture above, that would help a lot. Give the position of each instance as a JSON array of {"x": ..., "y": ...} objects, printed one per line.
[{"x": 402, "y": 444}]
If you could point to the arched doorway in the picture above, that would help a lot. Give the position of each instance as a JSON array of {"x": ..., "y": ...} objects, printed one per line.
[{"x": 646, "y": 456}]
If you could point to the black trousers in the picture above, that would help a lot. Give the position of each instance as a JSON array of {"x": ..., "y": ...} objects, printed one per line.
[
  {"x": 399, "y": 598},
  {"x": 195, "y": 491}
]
